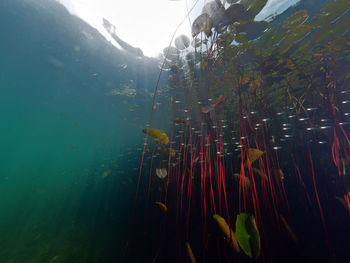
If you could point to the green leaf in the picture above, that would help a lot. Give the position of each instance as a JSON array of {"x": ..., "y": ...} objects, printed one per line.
[
  {"x": 297, "y": 32},
  {"x": 247, "y": 235},
  {"x": 253, "y": 29},
  {"x": 295, "y": 19},
  {"x": 336, "y": 8},
  {"x": 171, "y": 53},
  {"x": 242, "y": 234},
  {"x": 241, "y": 38},
  {"x": 202, "y": 23},
  {"x": 237, "y": 12}
]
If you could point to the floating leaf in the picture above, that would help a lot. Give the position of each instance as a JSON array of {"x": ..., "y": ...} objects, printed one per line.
[
  {"x": 227, "y": 232},
  {"x": 215, "y": 10},
  {"x": 248, "y": 235},
  {"x": 182, "y": 42},
  {"x": 271, "y": 38},
  {"x": 330, "y": 31},
  {"x": 235, "y": 13},
  {"x": 336, "y": 8},
  {"x": 253, "y": 29},
  {"x": 162, "y": 207},
  {"x": 190, "y": 254},
  {"x": 295, "y": 19},
  {"x": 253, "y": 155},
  {"x": 296, "y": 33},
  {"x": 202, "y": 23},
  {"x": 171, "y": 53},
  {"x": 157, "y": 135}
]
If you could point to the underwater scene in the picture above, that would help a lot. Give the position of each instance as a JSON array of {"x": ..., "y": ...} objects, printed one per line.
[{"x": 231, "y": 145}]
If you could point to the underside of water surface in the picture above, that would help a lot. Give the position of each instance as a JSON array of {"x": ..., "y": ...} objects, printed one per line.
[{"x": 232, "y": 145}]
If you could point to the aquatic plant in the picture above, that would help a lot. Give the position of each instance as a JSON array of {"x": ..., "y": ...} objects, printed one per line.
[{"x": 281, "y": 85}]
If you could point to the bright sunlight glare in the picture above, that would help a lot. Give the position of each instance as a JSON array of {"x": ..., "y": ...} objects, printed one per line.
[{"x": 149, "y": 25}]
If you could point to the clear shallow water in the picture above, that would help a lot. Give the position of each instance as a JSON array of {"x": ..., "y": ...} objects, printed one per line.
[
  {"x": 72, "y": 108},
  {"x": 60, "y": 132}
]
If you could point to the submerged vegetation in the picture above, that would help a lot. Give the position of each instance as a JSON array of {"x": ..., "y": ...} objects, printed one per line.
[
  {"x": 245, "y": 158},
  {"x": 259, "y": 134}
]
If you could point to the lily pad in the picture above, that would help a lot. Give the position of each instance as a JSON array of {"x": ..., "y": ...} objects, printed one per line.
[
  {"x": 336, "y": 8},
  {"x": 196, "y": 42},
  {"x": 295, "y": 19},
  {"x": 296, "y": 33},
  {"x": 253, "y": 29},
  {"x": 202, "y": 23},
  {"x": 182, "y": 42},
  {"x": 248, "y": 235},
  {"x": 235, "y": 13},
  {"x": 171, "y": 53},
  {"x": 215, "y": 10}
]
